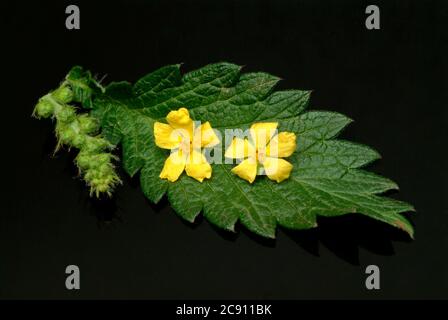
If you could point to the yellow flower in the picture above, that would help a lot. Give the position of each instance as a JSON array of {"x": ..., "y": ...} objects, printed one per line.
[
  {"x": 185, "y": 140},
  {"x": 264, "y": 148}
]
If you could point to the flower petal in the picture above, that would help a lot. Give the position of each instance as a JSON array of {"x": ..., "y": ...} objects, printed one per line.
[
  {"x": 197, "y": 166},
  {"x": 208, "y": 136},
  {"x": 174, "y": 166},
  {"x": 282, "y": 145},
  {"x": 180, "y": 119},
  {"x": 277, "y": 169},
  {"x": 240, "y": 149},
  {"x": 262, "y": 132},
  {"x": 165, "y": 136},
  {"x": 246, "y": 170}
]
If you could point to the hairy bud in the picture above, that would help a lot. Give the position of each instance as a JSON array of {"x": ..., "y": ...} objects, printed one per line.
[
  {"x": 66, "y": 114},
  {"x": 43, "y": 109},
  {"x": 88, "y": 124},
  {"x": 63, "y": 94}
]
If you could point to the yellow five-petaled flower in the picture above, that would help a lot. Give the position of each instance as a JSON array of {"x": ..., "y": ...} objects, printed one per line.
[
  {"x": 185, "y": 140},
  {"x": 264, "y": 148}
]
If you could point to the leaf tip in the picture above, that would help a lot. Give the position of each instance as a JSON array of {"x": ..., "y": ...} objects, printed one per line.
[
  {"x": 407, "y": 227},
  {"x": 276, "y": 78},
  {"x": 269, "y": 235},
  {"x": 393, "y": 185},
  {"x": 376, "y": 155},
  {"x": 411, "y": 233},
  {"x": 349, "y": 120},
  {"x": 230, "y": 228}
]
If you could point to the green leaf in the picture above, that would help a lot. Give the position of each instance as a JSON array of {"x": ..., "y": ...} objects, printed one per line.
[{"x": 327, "y": 178}]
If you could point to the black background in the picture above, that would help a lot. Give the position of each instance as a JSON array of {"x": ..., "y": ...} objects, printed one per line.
[{"x": 390, "y": 81}]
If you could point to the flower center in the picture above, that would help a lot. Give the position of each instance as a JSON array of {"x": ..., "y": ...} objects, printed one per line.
[
  {"x": 186, "y": 145},
  {"x": 261, "y": 154}
]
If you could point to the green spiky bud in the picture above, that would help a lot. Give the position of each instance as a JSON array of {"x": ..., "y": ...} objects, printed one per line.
[
  {"x": 101, "y": 188},
  {"x": 84, "y": 160},
  {"x": 103, "y": 158},
  {"x": 66, "y": 134},
  {"x": 63, "y": 94},
  {"x": 105, "y": 169},
  {"x": 66, "y": 114},
  {"x": 78, "y": 141},
  {"x": 103, "y": 180},
  {"x": 88, "y": 124},
  {"x": 44, "y": 109},
  {"x": 94, "y": 161},
  {"x": 96, "y": 144},
  {"x": 89, "y": 176}
]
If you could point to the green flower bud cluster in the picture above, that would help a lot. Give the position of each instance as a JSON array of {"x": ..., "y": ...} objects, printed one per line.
[
  {"x": 99, "y": 172},
  {"x": 94, "y": 160}
]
